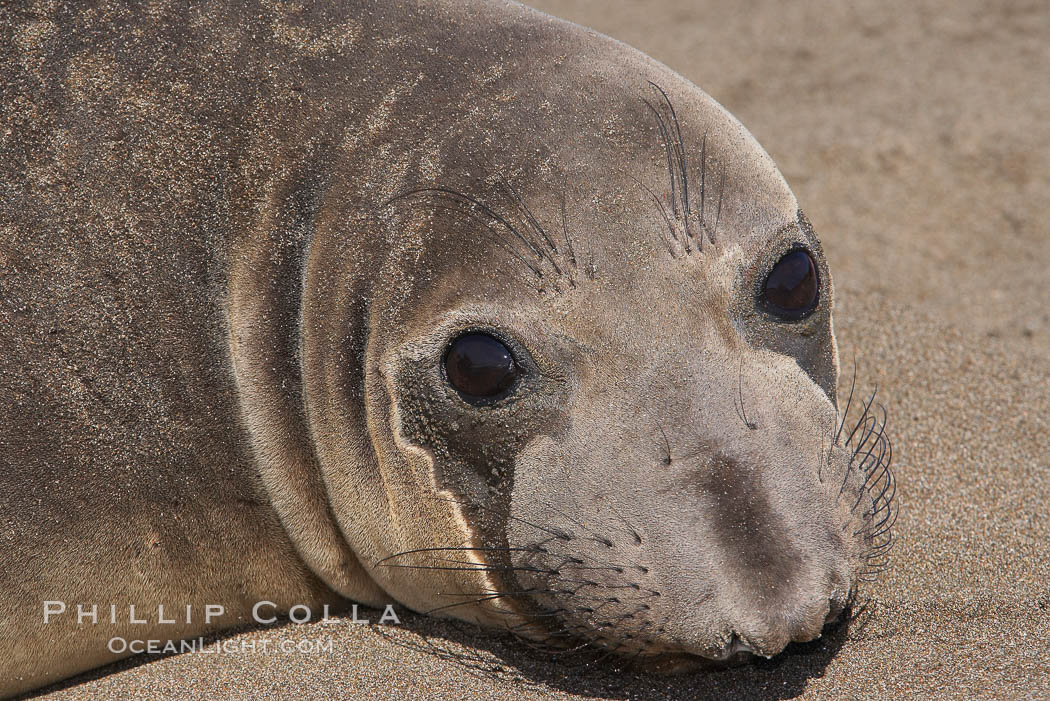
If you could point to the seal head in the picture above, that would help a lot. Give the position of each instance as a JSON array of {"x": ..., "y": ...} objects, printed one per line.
[{"x": 568, "y": 362}]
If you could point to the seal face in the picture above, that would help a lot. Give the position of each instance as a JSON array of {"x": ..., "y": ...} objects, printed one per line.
[
  {"x": 446, "y": 303},
  {"x": 656, "y": 466},
  {"x": 639, "y": 420}
]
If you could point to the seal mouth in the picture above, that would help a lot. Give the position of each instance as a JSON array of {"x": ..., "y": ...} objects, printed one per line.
[
  {"x": 736, "y": 653},
  {"x": 735, "y": 649}
]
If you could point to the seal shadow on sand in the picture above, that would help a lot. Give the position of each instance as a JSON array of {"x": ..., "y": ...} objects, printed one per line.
[
  {"x": 507, "y": 661},
  {"x": 503, "y": 660}
]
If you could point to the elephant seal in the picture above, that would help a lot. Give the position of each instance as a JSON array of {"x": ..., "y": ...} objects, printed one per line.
[{"x": 450, "y": 304}]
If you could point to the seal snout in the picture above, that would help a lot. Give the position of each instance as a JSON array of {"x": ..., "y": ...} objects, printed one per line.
[
  {"x": 770, "y": 637},
  {"x": 795, "y": 611},
  {"x": 782, "y": 571},
  {"x": 749, "y": 637}
]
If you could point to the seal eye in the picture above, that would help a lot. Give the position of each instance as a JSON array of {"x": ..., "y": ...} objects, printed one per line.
[
  {"x": 479, "y": 366},
  {"x": 792, "y": 288}
]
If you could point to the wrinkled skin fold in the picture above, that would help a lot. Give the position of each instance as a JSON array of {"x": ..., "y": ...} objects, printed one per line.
[{"x": 237, "y": 242}]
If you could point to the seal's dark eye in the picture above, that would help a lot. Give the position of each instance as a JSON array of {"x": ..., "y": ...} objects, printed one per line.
[
  {"x": 480, "y": 366},
  {"x": 792, "y": 288}
]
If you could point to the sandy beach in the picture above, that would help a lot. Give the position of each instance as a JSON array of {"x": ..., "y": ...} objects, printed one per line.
[{"x": 915, "y": 136}]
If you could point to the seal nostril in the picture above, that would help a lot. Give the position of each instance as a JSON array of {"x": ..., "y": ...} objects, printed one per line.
[
  {"x": 834, "y": 612},
  {"x": 735, "y": 652}
]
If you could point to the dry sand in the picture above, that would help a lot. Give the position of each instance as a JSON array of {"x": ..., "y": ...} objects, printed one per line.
[{"x": 916, "y": 136}]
